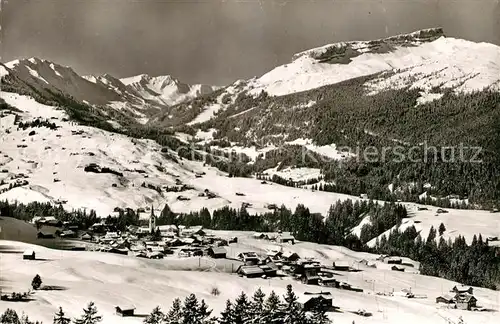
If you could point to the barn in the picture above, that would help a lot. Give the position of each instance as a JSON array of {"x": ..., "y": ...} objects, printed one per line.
[
  {"x": 217, "y": 252},
  {"x": 29, "y": 255},
  {"x": 125, "y": 310}
]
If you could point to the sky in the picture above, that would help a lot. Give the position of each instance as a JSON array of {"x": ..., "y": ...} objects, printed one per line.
[{"x": 216, "y": 41}]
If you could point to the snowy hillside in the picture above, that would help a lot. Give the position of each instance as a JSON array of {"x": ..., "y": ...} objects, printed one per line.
[{"x": 110, "y": 280}]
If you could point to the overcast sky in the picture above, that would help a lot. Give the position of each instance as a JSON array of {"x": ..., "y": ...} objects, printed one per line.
[{"x": 215, "y": 41}]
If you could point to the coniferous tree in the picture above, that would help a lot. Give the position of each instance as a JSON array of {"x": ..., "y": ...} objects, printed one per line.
[
  {"x": 227, "y": 315},
  {"x": 257, "y": 305},
  {"x": 174, "y": 315},
  {"x": 156, "y": 316},
  {"x": 319, "y": 315},
  {"x": 9, "y": 317},
  {"x": 89, "y": 315},
  {"x": 442, "y": 229},
  {"x": 36, "y": 282},
  {"x": 293, "y": 312},
  {"x": 272, "y": 313},
  {"x": 59, "y": 318},
  {"x": 242, "y": 313}
]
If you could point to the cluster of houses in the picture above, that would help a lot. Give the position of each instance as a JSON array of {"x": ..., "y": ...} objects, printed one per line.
[
  {"x": 286, "y": 263},
  {"x": 170, "y": 239},
  {"x": 460, "y": 297}
]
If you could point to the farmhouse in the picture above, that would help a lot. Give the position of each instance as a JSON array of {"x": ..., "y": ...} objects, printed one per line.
[
  {"x": 285, "y": 238},
  {"x": 249, "y": 258},
  {"x": 255, "y": 271},
  {"x": 86, "y": 237},
  {"x": 68, "y": 233},
  {"x": 393, "y": 260},
  {"x": 465, "y": 301},
  {"x": 397, "y": 268},
  {"x": 29, "y": 255},
  {"x": 217, "y": 252},
  {"x": 45, "y": 235},
  {"x": 341, "y": 265},
  {"x": 311, "y": 301},
  {"x": 462, "y": 289},
  {"x": 445, "y": 299},
  {"x": 125, "y": 310},
  {"x": 290, "y": 256}
]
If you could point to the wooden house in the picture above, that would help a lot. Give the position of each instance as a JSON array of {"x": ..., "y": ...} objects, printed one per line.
[
  {"x": 445, "y": 299},
  {"x": 125, "y": 310},
  {"x": 249, "y": 258},
  {"x": 465, "y": 301},
  {"x": 462, "y": 289},
  {"x": 340, "y": 265},
  {"x": 217, "y": 252},
  {"x": 45, "y": 235},
  {"x": 311, "y": 301},
  {"x": 285, "y": 238}
]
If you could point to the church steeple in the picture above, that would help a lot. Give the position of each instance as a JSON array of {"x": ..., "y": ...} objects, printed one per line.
[{"x": 152, "y": 220}]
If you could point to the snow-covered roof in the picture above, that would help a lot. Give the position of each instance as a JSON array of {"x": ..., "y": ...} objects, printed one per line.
[{"x": 29, "y": 252}]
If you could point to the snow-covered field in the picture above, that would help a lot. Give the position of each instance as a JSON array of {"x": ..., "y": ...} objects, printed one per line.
[{"x": 110, "y": 280}]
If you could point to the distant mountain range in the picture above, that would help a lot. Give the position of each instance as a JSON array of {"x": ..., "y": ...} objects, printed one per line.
[{"x": 140, "y": 96}]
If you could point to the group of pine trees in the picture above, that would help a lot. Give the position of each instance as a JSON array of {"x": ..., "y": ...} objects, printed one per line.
[
  {"x": 90, "y": 316},
  {"x": 243, "y": 310},
  {"x": 477, "y": 264}
]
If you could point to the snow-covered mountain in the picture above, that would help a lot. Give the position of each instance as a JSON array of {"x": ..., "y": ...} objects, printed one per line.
[
  {"x": 165, "y": 89},
  {"x": 140, "y": 96}
]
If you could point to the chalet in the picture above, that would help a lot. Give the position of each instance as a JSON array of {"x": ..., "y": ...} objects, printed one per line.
[
  {"x": 341, "y": 265},
  {"x": 112, "y": 235},
  {"x": 193, "y": 230},
  {"x": 217, "y": 252},
  {"x": 255, "y": 271},
  {"x": 329, "y": 282},
  {"x": 68, "y": 234},
  {"x": 125, "y": 310},
  {"x": 445, "y": 299},
  {"x": 462, "y": 289},
  {"x": 274, "y": 255},
  {"x": 250, "y": 271},
  {"x": 259, "y": 236},
  {"x": 184, "y": 253},
  {"x": 290, "y": 256},
  {"x": 393, "y": 260},
  {"x": 45, "y": 235},
  {"x": 155, "y": 255},
  {"x": 397, "y": 268},
  {"x": 29, "y": 255},
  {"x": 118, "y": 251},
  {"x": 285, "y": 238},
  {"x": 168, "y": 230},
  {"x": 465, "y": 301},
  {"x": 311, "y": 301},
  {"x": 233, "y": 239},
  {"x": 249, "y": 258}
]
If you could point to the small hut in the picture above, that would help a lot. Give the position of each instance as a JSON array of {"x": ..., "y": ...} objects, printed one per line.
[
  {"x": 29, "y": 255},
  {"x": 125, "y": 310}
]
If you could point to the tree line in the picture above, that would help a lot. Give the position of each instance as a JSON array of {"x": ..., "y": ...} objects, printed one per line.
[{"x": 243, "y": 310}]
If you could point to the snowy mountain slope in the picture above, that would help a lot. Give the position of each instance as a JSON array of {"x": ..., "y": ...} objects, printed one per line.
[
  {"x": 165, "y": 89},
  {"x": 433, "y": 61},
  {"x": 53, "y": 162},
  {"x": 117, "y": 280},
  {"x": 140, "y": 99}
]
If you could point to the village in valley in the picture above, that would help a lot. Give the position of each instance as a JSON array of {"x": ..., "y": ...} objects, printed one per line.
[{"x": 254, "y": 256}]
